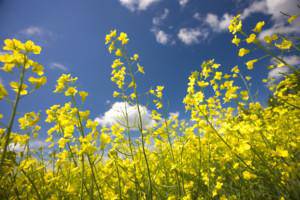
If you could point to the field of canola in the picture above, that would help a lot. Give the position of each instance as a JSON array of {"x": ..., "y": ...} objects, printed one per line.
[{"x": 231, "y": 147}]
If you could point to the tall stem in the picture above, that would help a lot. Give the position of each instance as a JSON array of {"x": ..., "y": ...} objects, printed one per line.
[{"x": 13, "y": 115}]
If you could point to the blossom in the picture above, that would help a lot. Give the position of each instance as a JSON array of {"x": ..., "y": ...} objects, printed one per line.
[
  {"x": 236, "y": 40},
  {"x": 243, "y": 52},
  {"x": 235, "y": 24},
  {"x": 38, "y": 82},
  {"x": 15, "y": 86},
  {"x": 292, "y": 18},
  {"x": 3, "y": 92},
  {"x": 251, "y": 38},
  {"x": 123, "y": 38},
  {"x": 259, "y": 26},
  {"x": 284, "y": 45},
  {"x": 250, "y": 63}
]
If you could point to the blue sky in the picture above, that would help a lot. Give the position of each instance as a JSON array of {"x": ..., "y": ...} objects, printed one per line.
[{"x": 171, "y": 37}]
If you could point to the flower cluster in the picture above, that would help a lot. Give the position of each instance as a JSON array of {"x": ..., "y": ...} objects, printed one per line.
[{"x": 229, "y": 145}]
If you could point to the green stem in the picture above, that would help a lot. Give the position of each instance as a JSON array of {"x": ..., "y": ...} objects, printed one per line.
[
  {"x": 140, "y": 127},
  {"x": 89, "y": 159},
  {"x": 13, "y": 115}
]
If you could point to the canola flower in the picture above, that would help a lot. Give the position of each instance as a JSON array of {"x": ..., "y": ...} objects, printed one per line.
[{"x": 229, "y": 147}]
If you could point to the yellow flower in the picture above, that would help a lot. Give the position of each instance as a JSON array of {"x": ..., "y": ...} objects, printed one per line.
[
  {"x": 159, "y": 90},
  {"x": 140, "y": 69},
  {"x": 71, "y": 91},
  {"x": 118, "y": 53},
  {"x": 116, "y": 63},
  {"x": 83, "y": 95},
  {"x": 62, "y": 143},
  {"x": 31, "y": 47},
  {"x": 63, "y": 81},
  {"x": 15, "y": 87},
  {"x": 13, "y": 45},
  {"x": 155, "y": 115},
  {"x": 202, "y": 84},
  {"x": 28, "y": 120},
  {"x": 123, "y": 38},
  {"x": 133, "y": 96},
  {"x": 8, "y": 67},
  {"x": 244, "y": 95},
  {"x": 38, "y": 82},
  {"x": 235, "y": 24},
  {"x": 282, "y": 152},
  {"x": 108, "y": 37},
  {"x": 247, "y": 175},
  {"x": 116, "y": 94},
  {"x": 250, "y": 63},
  {"x": 259, "y": 26},
  {"x": 236, "y": 40},
  {"x": 292, "y": 18},
  {"x": 251, "y": 38},
  {"x": 135, "y": 57},
  {"x": 243, "y": 52},
  {"x": 9, "y": 45},
  {"x": 218, "y": 76},
  {"x": 269, "y": 39},
  {"x": 3, "y": 92},
  {"x": 284, "y": 45},
  {"x": 37, "y": 68},
  {"x": 235, "y": 69},
  {"x": 104, "y": 139}
]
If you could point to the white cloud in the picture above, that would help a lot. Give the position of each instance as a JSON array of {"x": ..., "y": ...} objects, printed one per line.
[
  {"x": 217, "y": 24},
  {"x": 56, "y": 65},
  {"x": 183, "y": 3},
  {"x": 267, "y": 7},
  {"x": 2, "y": 52},
  {"x": 116, "y": 114},
  {"x": 191, "y": 36},
  {"x": 273, "y": 8},
  {"x": 197, "y": 16},
  {"x": 292, "y": 60},
  {"x": 33, "y": 144},
  {"x": 161, "y": 36},
  {"x": 37, "y": 34},
  {"x": 159, "y": 19},
  {"x": 281, "y": 28},
  {"x": 255, "y": 7},
  {"x": 35, "y": 31},
  {"x": 140, "y": 5},
  {"x": 279, "y": 72}
]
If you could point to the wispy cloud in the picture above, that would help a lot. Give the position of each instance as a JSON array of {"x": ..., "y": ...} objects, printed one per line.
[
  {"x": 161, "y": 36},
  {"x": 183, "y": 3},
  {"x": 191, "y": 36},
  {"x": 160, "y": 18},
  {"x": 138, "y": 5},
  {"x": 37, "y": 33},
  {"x": 59, "y": 66},
  {"x": 278, "y": 73},
  {"x": 218, "y": 24}
]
